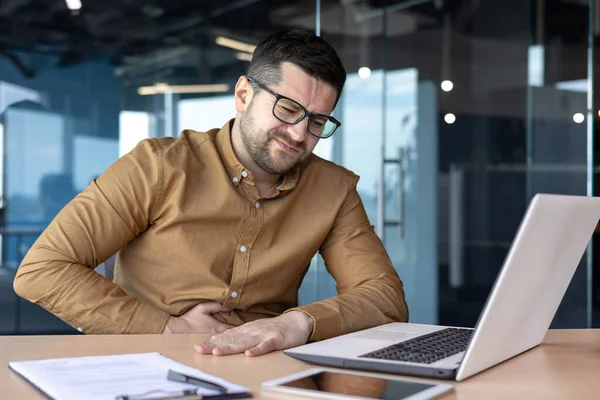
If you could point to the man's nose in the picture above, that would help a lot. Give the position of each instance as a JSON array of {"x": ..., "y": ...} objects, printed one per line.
[{"x": 298, "y": 131}]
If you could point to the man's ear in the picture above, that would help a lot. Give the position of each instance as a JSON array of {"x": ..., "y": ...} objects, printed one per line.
[{"x": 243, "y": 94}]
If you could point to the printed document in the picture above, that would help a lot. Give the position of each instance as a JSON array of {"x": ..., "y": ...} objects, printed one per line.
[{"x": 106, "y": 377}]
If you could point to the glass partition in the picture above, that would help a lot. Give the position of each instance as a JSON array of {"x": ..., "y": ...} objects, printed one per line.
[
  {"x": 59, "y": 131},
  {"x": 560, "y": 125},
  {"x": 455, "y": 114}
]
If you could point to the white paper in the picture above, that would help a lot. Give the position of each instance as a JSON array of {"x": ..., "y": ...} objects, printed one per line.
[{"x": 106, "y": 377}]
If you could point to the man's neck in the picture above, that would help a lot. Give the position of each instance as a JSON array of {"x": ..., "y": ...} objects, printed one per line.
[{"x": 265, "y": 182}]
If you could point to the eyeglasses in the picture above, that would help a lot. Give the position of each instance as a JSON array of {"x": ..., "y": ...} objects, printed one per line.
[{"x": 291, "y": 112}]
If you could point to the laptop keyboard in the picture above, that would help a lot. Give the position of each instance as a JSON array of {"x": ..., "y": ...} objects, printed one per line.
[{"x": 426, "y": 349}]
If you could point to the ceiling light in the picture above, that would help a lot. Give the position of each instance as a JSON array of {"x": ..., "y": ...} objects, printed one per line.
[
  {"x": 235, "y": 44},
  {"x": 161, "y": 87},
  {"x": 364, "y": 72},
  {"x": 73, "y": 4},
  {"x": 243, "y": 56},
  {"x": 164, "y": 88},
  {"x": 447, "y": 86},
  {"x": 450, "y": 118},
  {"x": 578, "y": 118}
]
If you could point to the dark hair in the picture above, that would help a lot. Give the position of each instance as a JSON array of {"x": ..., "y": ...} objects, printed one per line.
[{"x": 304, "y": 49}]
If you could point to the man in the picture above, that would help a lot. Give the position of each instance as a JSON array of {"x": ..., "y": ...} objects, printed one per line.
[{"x": 215, "y": 230}]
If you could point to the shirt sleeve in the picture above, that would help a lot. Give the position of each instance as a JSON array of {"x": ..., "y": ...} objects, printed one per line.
[
  {"x": 370, "y": 292},
  {"x": 57, "y": 272}
]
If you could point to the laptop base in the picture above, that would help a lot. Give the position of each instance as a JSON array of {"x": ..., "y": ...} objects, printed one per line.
[{"x": 386, "y": 368}]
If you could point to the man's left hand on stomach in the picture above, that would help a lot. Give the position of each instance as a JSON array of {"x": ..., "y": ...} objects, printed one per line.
[{"x": 262, "y": 336}]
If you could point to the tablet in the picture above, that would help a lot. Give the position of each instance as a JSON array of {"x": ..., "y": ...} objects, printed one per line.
[{"x": 332, "y": 384}]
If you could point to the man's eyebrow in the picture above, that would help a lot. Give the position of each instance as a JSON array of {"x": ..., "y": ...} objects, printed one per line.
[{"x": 327, "y": 114}]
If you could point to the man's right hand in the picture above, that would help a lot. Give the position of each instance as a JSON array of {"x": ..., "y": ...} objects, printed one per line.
[{"x": 198, "y": 319}]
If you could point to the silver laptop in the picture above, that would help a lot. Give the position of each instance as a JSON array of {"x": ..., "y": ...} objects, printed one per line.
[{"x": 540, "y": 264}]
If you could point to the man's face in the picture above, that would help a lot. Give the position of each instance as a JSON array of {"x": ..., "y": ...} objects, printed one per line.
[{"x": 274, "y": 146}]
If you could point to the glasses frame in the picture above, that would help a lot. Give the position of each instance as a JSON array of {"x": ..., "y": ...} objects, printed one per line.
[{"x": 305, "y": 114}]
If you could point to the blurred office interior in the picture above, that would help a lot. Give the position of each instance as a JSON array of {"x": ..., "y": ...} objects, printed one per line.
[{"x": 455, "y": 113}]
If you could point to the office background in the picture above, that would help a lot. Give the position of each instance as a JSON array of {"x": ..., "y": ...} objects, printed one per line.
[{"x": 455, "y": 113}]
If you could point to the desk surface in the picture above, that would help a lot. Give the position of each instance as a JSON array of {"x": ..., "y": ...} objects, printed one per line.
[{"x": 566, "y": 366}]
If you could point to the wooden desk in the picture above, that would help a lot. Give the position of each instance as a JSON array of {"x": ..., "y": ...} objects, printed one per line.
[{"x": 566, "y": 366}]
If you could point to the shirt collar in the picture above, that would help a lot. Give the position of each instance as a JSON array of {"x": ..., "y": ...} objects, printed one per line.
[
  {"x": 234, "y": 167},
  {"x": 230, "y": 161}
]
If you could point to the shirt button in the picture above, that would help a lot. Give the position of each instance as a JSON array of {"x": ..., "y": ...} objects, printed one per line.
[
  {"x": 244, "y": 174},
  {"x": 257, "y": 204},
  {"x": 234, "y": 294},
  {"x": 243, "y": 249},
  {"x": 235, "y": 179}
]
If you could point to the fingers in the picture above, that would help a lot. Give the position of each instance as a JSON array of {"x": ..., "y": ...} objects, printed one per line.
[
  {"x": 212, "y": 307},
  {"x": 232, "y": 342},
  {"x": 233, "y": 346},
  {"x": 207, "y": 348},
  {"x": 204, "y": 348},
  {"x": 254, "y": 338},
  {"x": 264, "y": 347},
  {"x": 226, "y": 345}
]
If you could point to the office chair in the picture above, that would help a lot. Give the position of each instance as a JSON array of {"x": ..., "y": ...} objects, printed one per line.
[{"x": 107, "y": 268}]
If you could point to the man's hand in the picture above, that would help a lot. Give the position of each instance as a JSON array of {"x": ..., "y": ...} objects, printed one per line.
[
  {"x": 198, "y": 319},
  {"x": 262, "y": 336}
]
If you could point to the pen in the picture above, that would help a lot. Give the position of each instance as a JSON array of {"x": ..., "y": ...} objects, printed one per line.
[
  {"x": 179, "y": 377},
  {"x": 195, "y": 394},
  {"x": 179, "y": 394},
  {"x": 183, "y": 394}
]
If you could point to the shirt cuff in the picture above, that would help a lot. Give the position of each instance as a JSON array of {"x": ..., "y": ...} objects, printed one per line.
[
  {"x": 147, "y": 319},
  {"x": 326, "y": 321}
]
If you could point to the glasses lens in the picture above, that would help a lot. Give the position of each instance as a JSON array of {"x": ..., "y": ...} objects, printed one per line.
[
  {"x": 321, "y": 126},
  {"x": 288, "y": 111}
]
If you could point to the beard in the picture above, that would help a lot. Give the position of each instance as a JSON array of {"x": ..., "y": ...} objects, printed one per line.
[{"x": 263, "y": 150}]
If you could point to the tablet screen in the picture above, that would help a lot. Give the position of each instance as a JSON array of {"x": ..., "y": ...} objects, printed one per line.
[{"x": 360, "y": 386}]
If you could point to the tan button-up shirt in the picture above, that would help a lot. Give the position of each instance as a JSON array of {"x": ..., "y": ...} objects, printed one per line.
[{"x": 189, "y": 226}]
